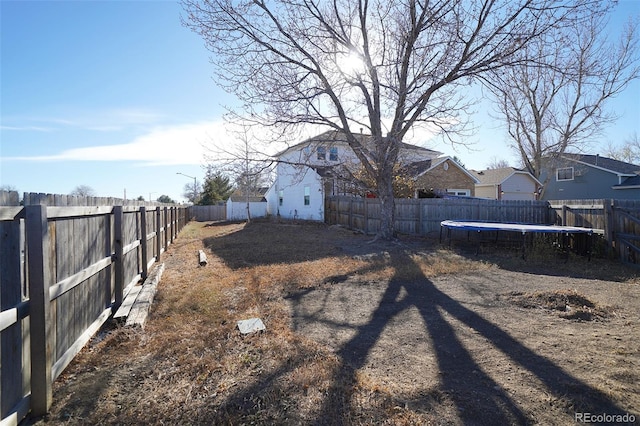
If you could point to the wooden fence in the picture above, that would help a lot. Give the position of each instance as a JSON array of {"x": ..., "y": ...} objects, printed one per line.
[
  {"x": 63, "y": 272},
  {"x": 618, "y": 220},
  {"x": 208, "y": 213},
  {"x": 423, "y": 216}
]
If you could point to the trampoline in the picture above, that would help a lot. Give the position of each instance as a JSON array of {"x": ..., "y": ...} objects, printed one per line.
[{"x": 523, "y": 228}]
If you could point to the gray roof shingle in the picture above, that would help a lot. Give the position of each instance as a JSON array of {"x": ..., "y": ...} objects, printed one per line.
[
  {"x": 493, "y": 176},
  {"x": 605, "y": 163}
]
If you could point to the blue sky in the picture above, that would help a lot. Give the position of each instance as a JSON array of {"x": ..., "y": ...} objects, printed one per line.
[{"x": 118, "y": 95}]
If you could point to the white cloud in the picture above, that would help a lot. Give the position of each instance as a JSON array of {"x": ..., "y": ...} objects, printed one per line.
[
  {"x": 186, "y": 144},
  {"x": 101, "y": 120},
  {"x": 27, "y": 128},
  {"x": 181, "y": 144}
]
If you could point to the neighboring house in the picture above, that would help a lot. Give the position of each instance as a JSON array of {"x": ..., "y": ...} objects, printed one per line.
[
  {"x": 318, "y": 167},
  {"x": 442, "y": 176},
  {"x": 580, "y": 176},
  {"x": 506, "y": 183}
]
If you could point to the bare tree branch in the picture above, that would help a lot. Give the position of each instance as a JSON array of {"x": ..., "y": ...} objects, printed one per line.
[
  {"x": 555, "y": 102},
  {"x": 282, "y": 59}
]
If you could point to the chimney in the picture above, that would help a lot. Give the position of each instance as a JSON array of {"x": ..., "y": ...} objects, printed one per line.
[{"x": 597, "y": 158}]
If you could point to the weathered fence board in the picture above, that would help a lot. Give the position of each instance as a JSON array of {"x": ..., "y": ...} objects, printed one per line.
[
  {"x": 79, "y": 260},
  {"x": 423, "y": 216},
  {"x": 208, "y": 213}
]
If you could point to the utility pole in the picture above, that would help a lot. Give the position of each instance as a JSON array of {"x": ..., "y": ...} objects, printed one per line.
[{"x": 195, "y": 186}]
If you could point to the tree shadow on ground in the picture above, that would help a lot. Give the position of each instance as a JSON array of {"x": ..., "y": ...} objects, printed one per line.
[
  {"x": 478, "y": 398},
  {"x": 276, "y": 245}
]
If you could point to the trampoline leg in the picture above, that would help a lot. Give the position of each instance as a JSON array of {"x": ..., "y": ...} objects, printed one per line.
[{"x": 524, "y": 245}]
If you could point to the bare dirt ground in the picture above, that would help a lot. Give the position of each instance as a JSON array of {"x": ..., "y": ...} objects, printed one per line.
[{"x": 362, "y": 332}]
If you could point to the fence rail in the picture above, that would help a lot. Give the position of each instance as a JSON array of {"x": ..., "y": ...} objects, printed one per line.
[
  {"x": 619, "y": 220},
  {"x": 63, "y": 271}
]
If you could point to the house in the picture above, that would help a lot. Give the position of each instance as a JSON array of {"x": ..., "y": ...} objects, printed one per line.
[
  {"x": 506, "y": 183},
  {"x": 442, "y": 176},
  {"x": 321, "y": 166},
  {"x": 582, "y": 176}
]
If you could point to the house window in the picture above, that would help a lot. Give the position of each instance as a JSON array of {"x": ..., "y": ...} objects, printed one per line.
[
  {"x": 564, "y": 173},
  {"x": 280, "y": 197},
  {"x": 322, "y": 153},
  {"x": 307, "y": 195},
  {"x": 333, "y": 153},
  {"x": 459, "y": 192}
]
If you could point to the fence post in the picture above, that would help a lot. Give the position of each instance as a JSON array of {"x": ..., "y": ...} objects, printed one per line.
[
  {"x": 37, "y": 232},
  {"x": 118, "y": 219},
  {"x": 167, "y": 222},
  {"x": 608, "y": 224},
  {"x": 158, "y": 234},
  {"x": 143, "y": 242},
  {"x": 174, "y": 224}
]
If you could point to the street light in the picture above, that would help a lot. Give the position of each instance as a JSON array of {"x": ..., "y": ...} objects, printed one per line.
[{"x": 195, "y": 185}]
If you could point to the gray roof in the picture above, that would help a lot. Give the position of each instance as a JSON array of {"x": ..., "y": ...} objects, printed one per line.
[
  {"x": 418, "y": 167},
  {"x": 610, "y": 164},
  {"x": 252, "y": 198},
  {"x": 337, "y": 136},
  {"x": 494, "y": 176}
]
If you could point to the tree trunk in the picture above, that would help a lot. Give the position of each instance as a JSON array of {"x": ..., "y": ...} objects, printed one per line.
[
  {"x": 387, "y": 206},
  {"x": 248, "y": 210}
]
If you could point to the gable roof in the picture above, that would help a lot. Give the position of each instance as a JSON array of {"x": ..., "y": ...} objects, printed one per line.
[
  {"x": 419, "y": 168},
  {"x": 498, "y": 176},
  {"x": 335, "y": 136},
  {"x": 605, "y": 163}
]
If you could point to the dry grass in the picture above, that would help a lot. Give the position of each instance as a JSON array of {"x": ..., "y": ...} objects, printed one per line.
[{"x": 190, "y": 365}]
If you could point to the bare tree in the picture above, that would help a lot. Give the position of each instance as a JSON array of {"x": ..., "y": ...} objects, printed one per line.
[
  {"x": 497, "y": 163},
  {"x": 191, "y": 191},
  {"x": 83, "y": 191},
  {"x": 8, "y": 188},
  {"x": 384, "y": 66},
  {"x": 555, "y": 101},
  {"x": 241, "y": 159},
  {"x": 629, "y": 151}
]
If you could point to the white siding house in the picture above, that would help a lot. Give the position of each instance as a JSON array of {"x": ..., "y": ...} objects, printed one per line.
[{"x": 307, "y": 172}]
